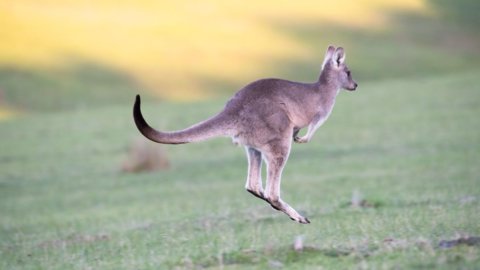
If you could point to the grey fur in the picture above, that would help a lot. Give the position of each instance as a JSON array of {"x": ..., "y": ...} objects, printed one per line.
[{"x": 266, "y": 116}]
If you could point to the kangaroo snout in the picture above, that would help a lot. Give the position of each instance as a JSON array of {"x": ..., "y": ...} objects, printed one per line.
[{"x": 353, "y": 87}]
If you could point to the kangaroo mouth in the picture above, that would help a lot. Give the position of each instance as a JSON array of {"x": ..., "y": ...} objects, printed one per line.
[{"x": 353, "y": 88}]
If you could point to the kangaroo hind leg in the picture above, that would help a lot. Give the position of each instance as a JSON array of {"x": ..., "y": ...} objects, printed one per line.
[
  {"x": 254, "y": 177},
  {"x": 276, "y": 160}
]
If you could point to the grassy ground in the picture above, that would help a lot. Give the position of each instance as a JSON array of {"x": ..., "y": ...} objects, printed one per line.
[
  {"x": 406, "y": 142},
  {"x": 410, "y": 148}
]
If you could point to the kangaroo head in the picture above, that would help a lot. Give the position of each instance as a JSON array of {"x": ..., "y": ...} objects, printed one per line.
[{"x": 336, "y": 71}]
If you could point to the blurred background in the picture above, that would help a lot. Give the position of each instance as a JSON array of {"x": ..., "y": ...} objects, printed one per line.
[
  {"x": 63, "y": 55},
  {"x": 393, "y": 172}
]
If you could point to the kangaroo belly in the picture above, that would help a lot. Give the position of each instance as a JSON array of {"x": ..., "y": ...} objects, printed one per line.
[{"x": 256, "y": 130}]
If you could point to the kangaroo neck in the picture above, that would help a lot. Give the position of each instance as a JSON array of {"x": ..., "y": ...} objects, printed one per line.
[{"x": 328, "y": 90}]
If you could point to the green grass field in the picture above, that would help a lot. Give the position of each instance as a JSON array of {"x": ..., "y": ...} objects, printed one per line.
[
  {"x": 406, "y": 144},
  {"x": 410, "y": 147}
]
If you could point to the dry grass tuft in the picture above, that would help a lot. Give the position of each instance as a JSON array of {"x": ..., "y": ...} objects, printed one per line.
[{"x": 144, "y": 155}]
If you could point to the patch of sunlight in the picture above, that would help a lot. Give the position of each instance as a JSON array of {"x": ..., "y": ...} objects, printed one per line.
[
  {"x": 174, "y": 47},
  {"x": 6, "y": 113}
]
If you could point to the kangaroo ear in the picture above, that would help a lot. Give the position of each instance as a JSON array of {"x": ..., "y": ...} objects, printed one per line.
[
  {"x": 339, "y": 56},
  {"x": 328, "y": 55}
]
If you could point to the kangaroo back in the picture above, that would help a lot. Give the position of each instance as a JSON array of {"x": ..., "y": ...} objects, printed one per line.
[{"x": 213, "y": 127}]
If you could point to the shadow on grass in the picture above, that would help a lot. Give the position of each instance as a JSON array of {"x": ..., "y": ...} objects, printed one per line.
[
  {"x": 81, "y": 84},
  {"x": 464, "y": 13},
  {"x": 413, "y": 45}
]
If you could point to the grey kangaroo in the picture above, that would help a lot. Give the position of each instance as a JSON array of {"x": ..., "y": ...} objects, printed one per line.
[{"x": 266, "y": 116}]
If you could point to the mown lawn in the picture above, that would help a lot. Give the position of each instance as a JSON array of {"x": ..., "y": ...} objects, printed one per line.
[{"x": 409, "y": 148}]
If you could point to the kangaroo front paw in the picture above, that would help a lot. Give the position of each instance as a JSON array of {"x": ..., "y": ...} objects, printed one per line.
[{"x": 303, "y": 139}]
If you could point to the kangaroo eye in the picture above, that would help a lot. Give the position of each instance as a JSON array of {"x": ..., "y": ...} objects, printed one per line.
[{"x": 348, "y": 72}]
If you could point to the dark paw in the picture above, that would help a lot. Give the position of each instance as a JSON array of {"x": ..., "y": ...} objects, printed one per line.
[
  {"x": 302, "y": 220},
  {"x": 275, "y": 205},
  {"x": 258, "y": 195},
  {"x": 300, "y": 139}
]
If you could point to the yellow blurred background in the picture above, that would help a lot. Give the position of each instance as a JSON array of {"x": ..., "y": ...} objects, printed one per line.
[
  {"x": 58, "y": 55},
  {"x": 170, "y": 46}
]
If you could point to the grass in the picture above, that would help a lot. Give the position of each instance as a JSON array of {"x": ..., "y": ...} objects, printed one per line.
[
  {"x": 410, "y": 147},
  {"x": 81, "y": 85}
]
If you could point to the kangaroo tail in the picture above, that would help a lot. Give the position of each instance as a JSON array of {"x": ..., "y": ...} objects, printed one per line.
[{"x": 213, "y": 127}]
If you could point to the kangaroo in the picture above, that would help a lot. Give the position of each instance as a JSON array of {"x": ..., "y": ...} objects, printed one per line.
[{"x": 265, "y": 117}]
